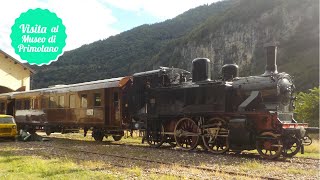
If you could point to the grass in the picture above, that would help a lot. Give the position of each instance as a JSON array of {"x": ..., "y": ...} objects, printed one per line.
[
  {"x": 163, "y": 177},
  {"x": 249, "y": 165},
  {"x": 16, "y": 167},
  {"x": 297, "y": 171},
  {"x": 34, "y": 167},
  {"x": 313, "y": 148},
  {"x": 136, "y": 171},
  {"x": 312, "y": 151}
]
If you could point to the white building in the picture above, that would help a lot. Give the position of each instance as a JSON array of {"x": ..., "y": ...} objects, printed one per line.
[{"x": 14, "y": 76}]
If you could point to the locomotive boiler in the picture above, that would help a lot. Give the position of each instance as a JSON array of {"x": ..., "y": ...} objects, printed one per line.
[{"x": 229, "y": 114}]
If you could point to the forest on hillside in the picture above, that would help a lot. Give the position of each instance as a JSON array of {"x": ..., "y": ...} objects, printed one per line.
[{"x": 230, "y": 31}]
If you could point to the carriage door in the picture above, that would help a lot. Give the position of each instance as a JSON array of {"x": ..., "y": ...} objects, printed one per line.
[{"x": 116, "y": 110}]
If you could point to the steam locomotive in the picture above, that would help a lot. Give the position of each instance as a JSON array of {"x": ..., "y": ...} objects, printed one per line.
[
  {"x": 232, "y": 113},
  {"x": 174, "y": 106}
]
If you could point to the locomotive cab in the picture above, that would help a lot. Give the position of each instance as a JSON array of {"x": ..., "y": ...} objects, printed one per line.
[{"x": 139, "y": 94}]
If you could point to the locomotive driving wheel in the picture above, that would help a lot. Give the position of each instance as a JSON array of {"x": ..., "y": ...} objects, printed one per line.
[
  {"x": 291, "y": 146},
  {"x": 269, "y": 145},
  {"x": 215, "y": 136},
  {"x": 186, "y": 134},
  {"x": 155, "y": 138}
]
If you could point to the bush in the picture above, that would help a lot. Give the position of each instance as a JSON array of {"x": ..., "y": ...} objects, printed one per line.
[{"x": 307, "y": 107}]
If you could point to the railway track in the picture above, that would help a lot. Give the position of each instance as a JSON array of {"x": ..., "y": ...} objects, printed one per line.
[
  {"x": 150, "y": 161},
  {"x": 196, "y": 151}
]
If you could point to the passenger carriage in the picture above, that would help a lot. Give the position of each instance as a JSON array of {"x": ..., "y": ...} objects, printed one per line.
[{"x": 97, "y": 105}]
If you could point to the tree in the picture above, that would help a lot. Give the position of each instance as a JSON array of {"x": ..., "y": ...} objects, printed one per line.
[{"x": 307, "y": 107}]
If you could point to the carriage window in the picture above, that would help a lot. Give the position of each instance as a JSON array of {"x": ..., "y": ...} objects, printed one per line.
[
  {"x": 97, "y": 99},
  {"x": 84, "y": 101},
  {"x": 27, "y": 104},
  {"x": 72, "y": 101},
  {"x": 18, "y": 105},
  {"x": 61, "y": 101},
  {"x": 51, "y": 102}
]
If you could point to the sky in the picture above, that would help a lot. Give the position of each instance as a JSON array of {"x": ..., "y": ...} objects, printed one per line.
[{"x": 87, "y": 21}]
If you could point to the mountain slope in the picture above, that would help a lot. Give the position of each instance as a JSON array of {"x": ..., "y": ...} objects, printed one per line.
[
  {"x": 125, "y": 53},
  {"x": 226, "y": 32}
]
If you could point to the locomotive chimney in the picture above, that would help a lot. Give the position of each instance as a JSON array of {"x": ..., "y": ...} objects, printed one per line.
[{"x": 271, "y": 64}]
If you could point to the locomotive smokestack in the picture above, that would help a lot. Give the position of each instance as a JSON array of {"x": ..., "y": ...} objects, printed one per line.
[{"x": 271, "y": 64}]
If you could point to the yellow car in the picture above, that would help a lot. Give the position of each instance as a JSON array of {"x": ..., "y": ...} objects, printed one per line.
[{"x": 8, "y": 127}]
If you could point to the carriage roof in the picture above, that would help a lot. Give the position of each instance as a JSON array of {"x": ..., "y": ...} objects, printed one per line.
[{"x": 92, "y": 85}]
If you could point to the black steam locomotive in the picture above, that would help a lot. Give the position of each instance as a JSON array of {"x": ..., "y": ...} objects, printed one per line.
[{"x": 232, "y": 113}]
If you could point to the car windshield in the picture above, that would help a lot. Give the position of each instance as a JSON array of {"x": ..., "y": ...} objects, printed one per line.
[{"x": 6, "y": 120}]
